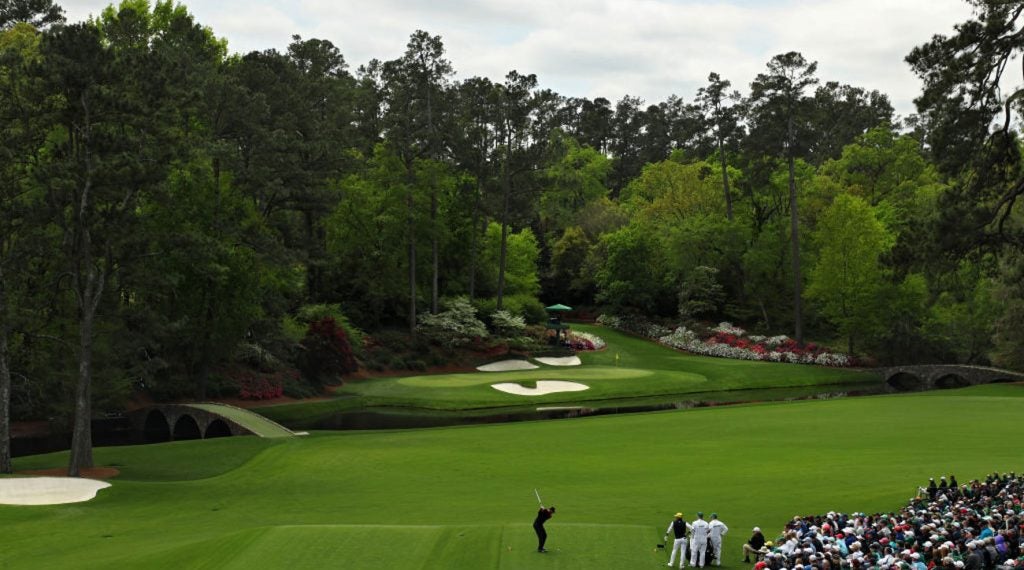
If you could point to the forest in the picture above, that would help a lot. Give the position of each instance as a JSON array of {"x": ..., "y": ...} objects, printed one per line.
[{"x": 171, "y": 213}]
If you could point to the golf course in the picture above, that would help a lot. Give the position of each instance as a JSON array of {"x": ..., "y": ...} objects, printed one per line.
[{"x": 463, "y": 497}]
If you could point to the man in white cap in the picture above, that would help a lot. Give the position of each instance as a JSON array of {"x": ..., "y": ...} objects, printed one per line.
[
  {"x": 753, "y": 546},
  {"x": 717, "y": 529},
  {"x": 698, "y": 541},
  {"x": 678, "y": 529}
]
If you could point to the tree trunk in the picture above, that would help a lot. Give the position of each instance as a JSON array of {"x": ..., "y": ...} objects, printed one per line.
[
  {"x": 725, "y": 178},
  {"x": 507, "y": 187},
  {"x": 473, "y": 241},
  {"x": 89, "y": 296},
  {"x": 795, "y": 253},
  {"x": 435, "y": 257},
  {"x": 5, "y": 384},
  {"x": 411, "y": 221}
]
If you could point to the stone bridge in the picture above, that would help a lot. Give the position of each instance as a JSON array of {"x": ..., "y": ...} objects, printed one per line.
[
  {"x": 932, "y": 376},
  {"x": 174, "y": 422}
]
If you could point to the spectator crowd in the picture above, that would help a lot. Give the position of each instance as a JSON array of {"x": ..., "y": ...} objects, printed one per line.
[{"x": 946, "y": 526}]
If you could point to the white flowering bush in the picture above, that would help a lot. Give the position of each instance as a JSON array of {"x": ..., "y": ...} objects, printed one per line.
[
  {"x": 731, "y": 341},
  {"x": 728, "y": 328},
  {"x": 506, "y": 324},
  {"x": 610, "y": 321},
  {"x": 455, "y": 326},
  {"x": 579, "y": 340}
]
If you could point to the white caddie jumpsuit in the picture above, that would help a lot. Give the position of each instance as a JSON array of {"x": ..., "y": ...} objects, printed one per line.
[
  {"x": 717, "y": 529},
  {"x": 698, "y": 542}
]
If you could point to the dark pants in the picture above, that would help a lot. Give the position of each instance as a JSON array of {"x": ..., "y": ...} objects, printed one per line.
[{"x": 542, "y": 535}]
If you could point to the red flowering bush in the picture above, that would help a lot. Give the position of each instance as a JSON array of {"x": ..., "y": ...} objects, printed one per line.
[
  {"x": 256, "y": 386},
  {"x": 326, "y": 353}
]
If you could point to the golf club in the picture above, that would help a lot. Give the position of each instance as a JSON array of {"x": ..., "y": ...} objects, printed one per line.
[{"x": 541, "y": 503}]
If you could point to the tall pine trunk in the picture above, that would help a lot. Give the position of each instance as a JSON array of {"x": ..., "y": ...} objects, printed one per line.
[
  {"x": 725, "y": 178},
  {"x": 473, "y": 241},
  {"x": 89, "y": 294},
  {"x": 506, "y": 184},
  {"x": 5, "y": 382},
  {"x": 410, "y": 205},
  {"x": 794, "y": 220}
]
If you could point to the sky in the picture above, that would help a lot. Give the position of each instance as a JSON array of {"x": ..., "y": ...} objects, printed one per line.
[{"x": 609, "y": 48}]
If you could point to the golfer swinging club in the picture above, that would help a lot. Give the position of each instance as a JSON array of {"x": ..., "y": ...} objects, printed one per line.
[
  {"x": 543, "y": 514},
  {"x": 678, "y": 528}
]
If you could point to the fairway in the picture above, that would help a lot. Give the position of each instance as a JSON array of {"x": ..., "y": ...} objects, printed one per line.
[{"x": 460, "y": 497}]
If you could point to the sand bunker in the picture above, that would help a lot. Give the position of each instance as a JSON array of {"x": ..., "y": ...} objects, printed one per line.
[
  {"x": 48, "y": 490},
  {"x": 507, "y": 365},
  {"x": 543, "y": 387},
  {"x": 559, "y": 361}
]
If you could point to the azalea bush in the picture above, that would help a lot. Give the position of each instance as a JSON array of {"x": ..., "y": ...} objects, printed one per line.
[
  {"x": 578, "y": 340},
  {"x": 729, "y": 341}
]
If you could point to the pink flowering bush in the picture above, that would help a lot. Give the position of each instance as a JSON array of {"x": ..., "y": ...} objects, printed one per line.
[
  {"x": 729, "y": 341},
  {"x": 578, "y": 340}
]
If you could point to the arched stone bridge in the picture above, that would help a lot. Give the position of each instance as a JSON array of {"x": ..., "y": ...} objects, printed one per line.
[
  {"x": 174, "y": 422},
  {"x": 931, "y": 376}
]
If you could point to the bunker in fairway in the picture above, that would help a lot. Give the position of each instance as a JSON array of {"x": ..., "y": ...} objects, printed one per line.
[{"x": 543, "y": 387}]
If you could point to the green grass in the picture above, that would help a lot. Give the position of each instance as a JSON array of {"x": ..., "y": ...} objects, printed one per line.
[
  {"x": 644, "y": 369},
  {"x": 252, "y": 421},
  {"x": 463, "y": 497}
]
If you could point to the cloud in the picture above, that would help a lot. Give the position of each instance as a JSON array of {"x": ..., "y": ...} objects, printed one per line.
[{"x": 610, "y": 48}]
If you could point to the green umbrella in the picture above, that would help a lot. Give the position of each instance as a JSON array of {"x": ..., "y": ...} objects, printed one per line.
[{"x": 557, "y": 308}]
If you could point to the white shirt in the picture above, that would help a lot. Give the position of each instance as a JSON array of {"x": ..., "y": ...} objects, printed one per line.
[{"x": 718, "y": 529}]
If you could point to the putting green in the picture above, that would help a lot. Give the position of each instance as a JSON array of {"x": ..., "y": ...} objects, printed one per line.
[{"x": 455, "y": 497}]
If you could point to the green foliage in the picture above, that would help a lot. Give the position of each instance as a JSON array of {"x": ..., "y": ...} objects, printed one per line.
[
  {"x": 455, "y": 326},
  {"x": 310, "y": 313},
  {"x": 700, "y": 294},
  {"x": 527, "y": 306},
  {"x": 1009, "y": 334},
  {"x": 507, "y": 324},
  {"x": 520, "y": 263},
  {"x": 630, "y": 278},
  {"x": 848, "y": 279}
]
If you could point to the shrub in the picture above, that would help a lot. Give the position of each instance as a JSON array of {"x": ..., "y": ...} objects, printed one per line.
[
  {"x": 326, "y": 353},
  {"x": 506, "y": 324},
  {"x": 456, "y": 326}
]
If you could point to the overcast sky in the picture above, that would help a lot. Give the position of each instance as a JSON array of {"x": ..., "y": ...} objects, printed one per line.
[{"x": 609, "y": 48}]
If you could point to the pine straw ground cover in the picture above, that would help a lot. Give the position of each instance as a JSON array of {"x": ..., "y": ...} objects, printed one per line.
[{"x": 463, "y": 497}]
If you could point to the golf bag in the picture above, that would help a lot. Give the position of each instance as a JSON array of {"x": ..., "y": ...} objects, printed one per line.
[{"x": 709, "y": 556}]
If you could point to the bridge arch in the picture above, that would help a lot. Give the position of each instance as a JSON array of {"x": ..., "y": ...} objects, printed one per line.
[
  {"x": 156, "y": 428},
  {"x": 187, "y": 428},
  {"x": 951, "y": 381},
  {"x": 906, "y": 382},
  {"x": 217, "y": 428}
]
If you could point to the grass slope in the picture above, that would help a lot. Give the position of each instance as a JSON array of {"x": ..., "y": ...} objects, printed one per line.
[
  {"x": 460, "y": 497},
  {"x": 644, "y": 368}
]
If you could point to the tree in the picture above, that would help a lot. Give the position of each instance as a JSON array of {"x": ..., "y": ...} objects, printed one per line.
[
  {"x": 22, "y": 134},
  {"x": 779, "y": 107},
  {"x": 724, "y": 120},
  {"x": 515, "y": 106},
  {"x": 848, "y": 279},
  {"x": 961, "y": 100},
  {"x": 39, "y": 14}
]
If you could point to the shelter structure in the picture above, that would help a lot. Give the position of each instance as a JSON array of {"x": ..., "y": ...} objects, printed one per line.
[{"x": 555, "y": 320}]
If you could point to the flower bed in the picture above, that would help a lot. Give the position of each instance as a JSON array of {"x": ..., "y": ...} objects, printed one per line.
[
  {"x": 578, "y": 340},
  {"x": 729, "y": 341}
]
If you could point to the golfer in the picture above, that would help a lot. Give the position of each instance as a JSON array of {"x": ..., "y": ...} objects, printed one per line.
[
  {"x": 543, "y": 514},
  {"x": 717, "y": 529},
  {"x": 698, "y": 541},
  {"x": 678, "y": 529}
]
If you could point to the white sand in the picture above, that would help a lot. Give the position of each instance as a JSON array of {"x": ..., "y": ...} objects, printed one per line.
[
  {"x": 507, "y": 365},
  {"x": 559, "y": 361},
  {"x": 48, "y": 490},
  {"x": 543, "y": 387}
]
